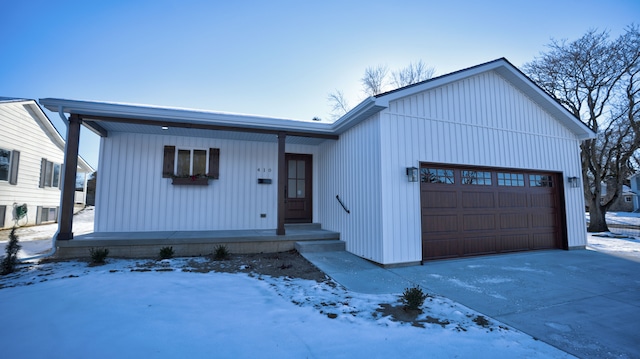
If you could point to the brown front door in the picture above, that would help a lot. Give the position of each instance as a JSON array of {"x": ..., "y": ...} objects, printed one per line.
[{"x": 298, "y": 191}]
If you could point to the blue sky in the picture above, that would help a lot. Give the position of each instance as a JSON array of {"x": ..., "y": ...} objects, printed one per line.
[{"x": 272, "y": 58}]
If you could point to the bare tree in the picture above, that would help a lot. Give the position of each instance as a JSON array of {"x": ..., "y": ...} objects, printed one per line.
[
  {"x": 597, "y": 80},
  {"x": 412, "y": 74},
  {"x": 374, "y": 80},
  {"x": 339, "y": 104}
]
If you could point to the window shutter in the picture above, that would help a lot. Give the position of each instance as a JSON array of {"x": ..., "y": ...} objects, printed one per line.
[
  {"x": 13, "y": 172},
  {"x": 214, "y": 163},
  {"x": 60, "y": 178},
  {"x": 43, "y": 170},
  {"x": 3, "y": 213},
  {"x": 168, "y": 161},
  {"x": 39, "y": 215}
]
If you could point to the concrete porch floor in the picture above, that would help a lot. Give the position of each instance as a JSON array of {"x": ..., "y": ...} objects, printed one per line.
[{"x": 192, "y": 243}]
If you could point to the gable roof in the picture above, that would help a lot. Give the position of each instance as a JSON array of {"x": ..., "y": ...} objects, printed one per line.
[
  {"x": 103, "y": 117},
  {"x": 501, "y": 66},
  {"x": 35, "y": 112}
]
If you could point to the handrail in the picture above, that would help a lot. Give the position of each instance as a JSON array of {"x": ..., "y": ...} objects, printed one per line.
[{"x": 342, "y": 204}]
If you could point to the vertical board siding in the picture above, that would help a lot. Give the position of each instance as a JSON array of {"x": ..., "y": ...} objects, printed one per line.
[
  {"x": 21, "y": 132},
  {"x": 131, "y": 165},
  {"x": 483, "y": 121},
  {"x": 350, "y": 168}
]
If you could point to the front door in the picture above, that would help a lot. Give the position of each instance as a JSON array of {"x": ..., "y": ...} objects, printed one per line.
[{"x": 298, "y": 190}]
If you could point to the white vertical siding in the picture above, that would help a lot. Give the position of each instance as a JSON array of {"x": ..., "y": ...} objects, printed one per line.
[
  {"x": 350, "y": 168},
  {"x": 133, "y": 196},
  {"x": 20, "y": 131},
  {"x": 483, "y": 121}
]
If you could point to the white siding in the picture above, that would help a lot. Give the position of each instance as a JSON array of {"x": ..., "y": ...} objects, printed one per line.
[
  {"x": 133, "y": 196},
  {"x": 482, "y": 121},
  {"x": 350, "y": 168},
  {"x": 21, "y": 132}
]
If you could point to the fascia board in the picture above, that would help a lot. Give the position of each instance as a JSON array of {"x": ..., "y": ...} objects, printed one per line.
[{"x": 175, "y": 115}]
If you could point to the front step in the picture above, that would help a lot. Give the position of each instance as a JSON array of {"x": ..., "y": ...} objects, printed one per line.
[
  {"x": 304, "y": 226},
  {"x": 320, "y": 246}
]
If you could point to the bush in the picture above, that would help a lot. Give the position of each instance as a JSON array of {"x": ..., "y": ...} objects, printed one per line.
[
  {"x": 11, "y": 258},
  {"x": 99, "y": 255},
  {"x": 413, "y": 298},
  {"x": 166, "y": 252},
  {"x": 221, "y": 252}
]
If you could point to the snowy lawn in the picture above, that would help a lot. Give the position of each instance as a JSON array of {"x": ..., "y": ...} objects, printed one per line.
[{"x": 126, "y": 309}]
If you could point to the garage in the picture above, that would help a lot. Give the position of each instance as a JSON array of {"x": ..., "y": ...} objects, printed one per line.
[{"x": 469, "y": 211}]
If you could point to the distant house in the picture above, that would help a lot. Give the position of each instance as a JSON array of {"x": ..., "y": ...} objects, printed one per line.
[
  {"x": 635, "y": 189},
  {"x": 479, "y": 161},
  {"x": 625, "y": 201},
  {"x": 31, "y": 161}
]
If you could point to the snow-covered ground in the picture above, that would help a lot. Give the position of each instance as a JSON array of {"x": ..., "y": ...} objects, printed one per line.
[
  {"x": 125, "y": 310},
  {"x": 128, "y": 309}
]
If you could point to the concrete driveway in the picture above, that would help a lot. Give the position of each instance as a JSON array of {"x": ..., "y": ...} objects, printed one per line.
[{"x": 584, "y": 302}]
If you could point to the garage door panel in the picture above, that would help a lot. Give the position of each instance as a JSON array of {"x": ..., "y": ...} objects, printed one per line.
[
  {"x": 514, "y": 221},
  {"x": 546, "y": 200},
  {"x": 478, "y": 199},
  {"x": 478, "y": 222},
  {"x": 439, "y": 199},
  {"x": 479, "y": 245},
  {"x": 476, "y": 211},
  {"x": 440, "y": 223},
  {"x": 512, "y": 200},
  {"x": 514, "y": 242}
]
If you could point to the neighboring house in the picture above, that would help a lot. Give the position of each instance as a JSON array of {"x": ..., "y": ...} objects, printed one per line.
[
  {"x": 479, "y": 161},
  {"x": 635, "y": 189},
  {"x": 31, "y": 161},
  {"x": 624, "y": 203}
]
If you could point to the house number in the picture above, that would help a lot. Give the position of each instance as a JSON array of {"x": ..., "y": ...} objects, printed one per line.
[{"x": 264, "y": 169}]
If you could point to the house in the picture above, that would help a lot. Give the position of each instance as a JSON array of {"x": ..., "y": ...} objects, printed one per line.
[
  {"x": 31, "y": 161},
  {"x": 479, "y": 161},
  {"x": 624, "y": 203},
  {"x": 635, "y": 189}
]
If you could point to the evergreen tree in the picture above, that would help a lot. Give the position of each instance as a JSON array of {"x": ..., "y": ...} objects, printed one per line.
[{"x": 11, "y": 257}]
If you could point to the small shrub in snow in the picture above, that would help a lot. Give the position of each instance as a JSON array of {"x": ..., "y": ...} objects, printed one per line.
[
  {"x": 221, "y": 252},
  {"x": 11, "y": 257},
  {"x": 413, "y": 298},
  {"x": 98, "y": 255},
  {"x": 166, "y": 252}
]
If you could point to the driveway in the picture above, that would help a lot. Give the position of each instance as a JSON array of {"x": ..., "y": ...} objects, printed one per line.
[{"x": 584, "y": 302}]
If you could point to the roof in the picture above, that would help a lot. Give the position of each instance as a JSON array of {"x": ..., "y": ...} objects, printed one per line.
[
  {"x": 32, "y": 107},
  {"x": 103, "y": 117}
]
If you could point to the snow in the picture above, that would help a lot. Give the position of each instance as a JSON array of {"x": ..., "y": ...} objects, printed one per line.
[
  {"x": 70, "y": 309},
  {"x": 128, "y": 309}
]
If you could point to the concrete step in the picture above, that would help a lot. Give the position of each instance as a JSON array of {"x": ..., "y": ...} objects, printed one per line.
[
  {"x": 304, "y": 226},
  {"x": 320, "y": 246}
]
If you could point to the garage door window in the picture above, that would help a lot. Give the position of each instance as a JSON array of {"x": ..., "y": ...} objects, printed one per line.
[
  {"x": 437, "y": 175},
  {"x": 540, "y": 181},
  {"x": 510, "y": 179},
  {"x": 476, "y": 178}
]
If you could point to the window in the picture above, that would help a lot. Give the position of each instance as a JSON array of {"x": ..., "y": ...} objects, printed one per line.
[
  {"x": 9, "y": 166},
  {"x": 49, "y": 174},
  {"x": 510, "y": 179},
  {"x": 436, "y": 175},
  {"x": 46, "y": 214},
  {"x": 627, "y": 198},
  {"x": 182, "y": 162},
  {"x": 540, "y": 181},
  {"x": 476, "y": 178}
]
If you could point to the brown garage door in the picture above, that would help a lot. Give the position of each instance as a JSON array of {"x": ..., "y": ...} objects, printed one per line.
[{"x": 474, "y": 211}]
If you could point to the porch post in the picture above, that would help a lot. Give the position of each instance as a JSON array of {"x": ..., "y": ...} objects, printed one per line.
[
  {"x": 282, "y": 182},
  {"x": 65, "y": 220}
]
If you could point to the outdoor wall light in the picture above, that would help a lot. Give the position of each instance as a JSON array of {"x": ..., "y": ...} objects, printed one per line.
[
  {"x": 412, "y": 174},
  {"x": 164, "y": 128},
  {"x": 573, "y": 182}
]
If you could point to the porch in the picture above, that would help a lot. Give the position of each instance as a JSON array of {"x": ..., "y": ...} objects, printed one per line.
[{"x": 193, "y": 243}]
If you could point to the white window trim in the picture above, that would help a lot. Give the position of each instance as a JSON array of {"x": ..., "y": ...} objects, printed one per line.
[{"x": 9, "y": 164}]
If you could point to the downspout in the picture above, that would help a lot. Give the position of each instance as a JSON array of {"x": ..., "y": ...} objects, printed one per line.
[{"x": 54, "y": 248}]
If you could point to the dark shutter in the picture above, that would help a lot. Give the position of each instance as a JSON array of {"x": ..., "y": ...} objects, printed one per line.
[
  {"x": 43, "y": 170},
  {"x": 13, "y": 172},
  {"x": 214, "y": 163},
  {"x": 168, "y": 161},
  {"x": 3, "y": 213}
]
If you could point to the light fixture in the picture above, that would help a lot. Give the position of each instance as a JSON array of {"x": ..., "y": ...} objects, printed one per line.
[
  {"x": 164, "y": 128},
  {"x": 412, "y": 174},
  {"x": 573, "y": 182}
]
